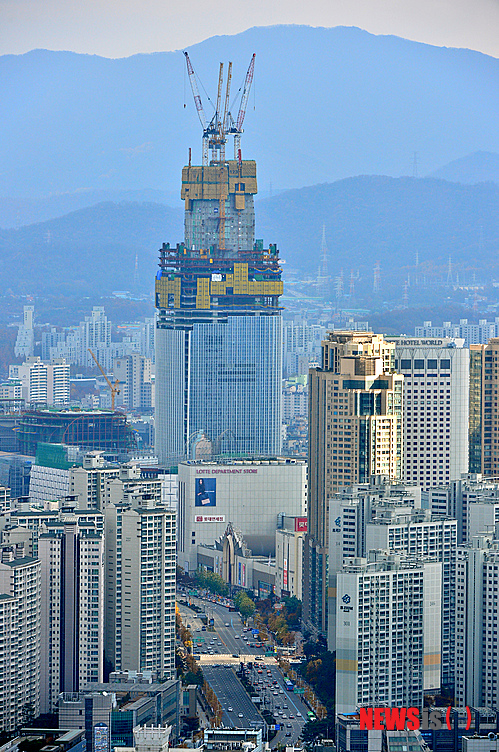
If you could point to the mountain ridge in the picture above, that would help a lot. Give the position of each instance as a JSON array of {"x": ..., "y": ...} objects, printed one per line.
[
  {"x": 367, "y": 219},
  {"x": 349, "y": 103}
]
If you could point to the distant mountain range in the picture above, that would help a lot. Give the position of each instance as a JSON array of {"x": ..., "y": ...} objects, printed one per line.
[
  {"x": 368, "y": 219},
  {"x": 326, "y": 104},
  {"x": 480, "y": 167}
]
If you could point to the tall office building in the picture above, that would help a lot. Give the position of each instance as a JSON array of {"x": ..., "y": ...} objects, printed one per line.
[
  {"x": 477, "y": 623},
  {"x": 355, "y": 431},
  {"x": 436, "y": 389},
  {"x": 140, "y": 587},
  {"x": 20, "y": 603},
  {"x": 388, "y": 631},
  {"x": 71, "y": 552},
  {"x": 219, "y": 327}
]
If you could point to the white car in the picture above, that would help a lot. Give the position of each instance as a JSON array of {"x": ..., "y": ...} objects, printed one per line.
[
  {"x": 240, "y": 715},
  {"x": 230, "y": 709}
]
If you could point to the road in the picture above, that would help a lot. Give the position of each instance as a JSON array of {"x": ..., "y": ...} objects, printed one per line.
[
  {"x": 231, "y": 694},
  {"x": 219, "y": 670}
]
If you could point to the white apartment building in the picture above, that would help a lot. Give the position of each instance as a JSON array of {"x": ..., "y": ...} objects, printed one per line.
[
  {"x": 44, "y": 383},
  {"x": 25, "y": 527},
  {"x": 454, "y": 499},
  {"x": 25, "y": 341},
  {"x": 477, "y": 623},
  {"x": 418, "y": 533},
  {"x": 95, "y": 334},
  {"x": 72, "y": 616},
  {"x": 134, "y": 373},
  {"x": 140, "y": 588},
  {"x": 473, "y": 334},
  {"x": 301, "y": 346},
  {"x": 483, "y": 517},
  {"x": 435, "y": 408},
  {"x": 388, "y": 631},
  {"x": 20, "y": 648},
  {"x": 89, "y": 482},
  {"x": 349, "y": 512}
]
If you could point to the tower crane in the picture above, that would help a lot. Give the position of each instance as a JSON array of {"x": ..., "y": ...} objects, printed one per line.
[
  {"x": 215, "y": 131},
  {"x": 242, "y": 107},
  {"x": 113, "y": 387}
]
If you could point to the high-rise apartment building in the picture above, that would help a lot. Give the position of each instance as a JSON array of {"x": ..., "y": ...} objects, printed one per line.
[
  {"x": 140, "y": 587},
  {"x": 43, "y": 383},
  {"x": 136, "y": 388},
  {"x": 473, "y": 334},
  {"x": 25, "y": 341},
  {"x": 20, "y": 602},
  {"x": 72, "y": 616},
  {"x": 420, "y": 534},
  {"x": 95, "y": 333},
  {"x": 455, "y": 499},
  {"x": 436, "y": 389},
  {"x": 355, "y": 432},
  {"x": 387, "y": 631},
  {"x": 219, "y": 327},
  {"x": 477, "y": 623}
]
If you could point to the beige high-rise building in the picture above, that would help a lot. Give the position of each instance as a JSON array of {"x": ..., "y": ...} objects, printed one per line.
[
  {"x": 355, "y": 432},
  {"x": 484, "y": 412}
]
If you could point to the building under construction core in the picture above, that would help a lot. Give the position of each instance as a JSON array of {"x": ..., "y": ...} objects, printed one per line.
[
  {"x": 218, "y": 338},
  {"x": 97, "y": 429}
]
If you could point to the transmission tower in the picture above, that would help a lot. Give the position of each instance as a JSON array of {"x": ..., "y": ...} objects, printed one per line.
[
  {"x": 322, "y": 275},
  {"x": 377, "y": 277}
]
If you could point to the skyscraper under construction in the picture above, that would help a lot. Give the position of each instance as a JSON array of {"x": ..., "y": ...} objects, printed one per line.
[{"x": 219, "y": 329}]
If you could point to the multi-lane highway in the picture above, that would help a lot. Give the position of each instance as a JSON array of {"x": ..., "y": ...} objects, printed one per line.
[
  {"x": 221, "y": 651},
  {"x": 238, "y": 709}
]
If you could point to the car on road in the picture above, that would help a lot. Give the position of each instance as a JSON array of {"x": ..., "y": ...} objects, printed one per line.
[
  {"x": 235, "y": 655},
  {"x": 227, "y": 624},
  {"x": 230, "y": 709},
  {"x": 288, "y": 733},
  {"x": 291, "y": 716},
  {"x": 240, "y": 715},
  {"x": 236, "y": 636},
  {"x": 289, "y": 725}
]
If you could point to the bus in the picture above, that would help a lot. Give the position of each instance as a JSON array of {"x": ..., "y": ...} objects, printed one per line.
[{"x": 289, "y": 685}]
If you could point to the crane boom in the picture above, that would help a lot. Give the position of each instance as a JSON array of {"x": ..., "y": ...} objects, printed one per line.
[
  {"x": 227, "y": 95},
  {"x": 244, "y": 99},
  {"x": 113, "y": 387},
  {"x": 219, "y": 97},
  {"x": 195, "y": 91}
]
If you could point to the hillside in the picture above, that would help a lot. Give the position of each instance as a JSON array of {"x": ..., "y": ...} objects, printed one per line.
[
  {"x": 479, "y": 167},
  {"x": 326, "y": 104},
  {"x": 368, "y": 219}
]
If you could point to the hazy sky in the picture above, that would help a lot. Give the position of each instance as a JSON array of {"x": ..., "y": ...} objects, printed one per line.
[{"x": 118, "y": 28}]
